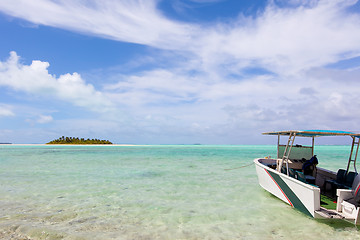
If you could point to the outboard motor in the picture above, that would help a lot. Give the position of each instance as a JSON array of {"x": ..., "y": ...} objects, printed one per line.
[{"x": 356, "y": 189}]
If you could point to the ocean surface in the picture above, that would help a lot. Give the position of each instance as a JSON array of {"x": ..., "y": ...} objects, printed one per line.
[{"x": 151, "y": 192}]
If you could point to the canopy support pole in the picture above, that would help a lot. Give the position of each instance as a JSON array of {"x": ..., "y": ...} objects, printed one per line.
[
  {"x": 354, "y": 143},
  {"x": 312, "y": 147},
  {"x": 287, "y": 151}
]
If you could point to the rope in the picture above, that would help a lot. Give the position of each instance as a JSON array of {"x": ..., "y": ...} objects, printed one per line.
[{"x": 239, "y": 167}]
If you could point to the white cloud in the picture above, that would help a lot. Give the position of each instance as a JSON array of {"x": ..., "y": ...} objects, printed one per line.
[
  {"x": 35, "y": 79},
  {"x": 154, "y": 87},
  {"x": 44, "y": 119},
  {"x": 285, "y": 40},
  {"x": 5, "y": 111}
]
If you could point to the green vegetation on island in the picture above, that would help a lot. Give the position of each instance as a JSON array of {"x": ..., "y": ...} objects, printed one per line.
[{"x": 73, "y": 140}]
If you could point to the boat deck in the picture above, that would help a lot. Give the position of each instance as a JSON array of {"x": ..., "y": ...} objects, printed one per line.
[
  {"x": 329, "y": 213},
  {"x": 327, "y": 202}
]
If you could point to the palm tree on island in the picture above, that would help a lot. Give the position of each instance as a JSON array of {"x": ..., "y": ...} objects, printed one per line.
[{"x": 76, "y": 140}]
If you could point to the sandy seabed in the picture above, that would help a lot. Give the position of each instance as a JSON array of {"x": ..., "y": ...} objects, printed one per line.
[{"x": 9, "y": 235}]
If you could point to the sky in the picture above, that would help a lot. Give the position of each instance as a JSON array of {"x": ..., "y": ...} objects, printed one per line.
[{"x": 177, "y": 71}]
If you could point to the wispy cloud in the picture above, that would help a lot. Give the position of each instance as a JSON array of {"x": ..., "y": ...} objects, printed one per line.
[
  {"x": 280, "y": 39},
  {"x": 285, "y": 40},
  {"x": 45, "y": 119},
  {"x": 5, "y": 111},
  {"x": 137, "y": 21}
]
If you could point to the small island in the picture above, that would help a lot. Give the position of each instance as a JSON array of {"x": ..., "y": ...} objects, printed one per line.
[{"x": 76, "y": 140}]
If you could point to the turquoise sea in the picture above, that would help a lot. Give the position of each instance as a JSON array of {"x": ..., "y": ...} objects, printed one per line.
[{"x": 150, "y": 192}]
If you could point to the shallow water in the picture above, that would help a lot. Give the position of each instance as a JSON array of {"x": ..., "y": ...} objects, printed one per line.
[{"x": 151, "y": 192}]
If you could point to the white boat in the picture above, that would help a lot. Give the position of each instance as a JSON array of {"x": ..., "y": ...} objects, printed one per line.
[{"x": 293, "y": 177}]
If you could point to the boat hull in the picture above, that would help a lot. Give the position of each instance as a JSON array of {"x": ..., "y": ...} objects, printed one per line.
[{"x": 302, "y": 196}]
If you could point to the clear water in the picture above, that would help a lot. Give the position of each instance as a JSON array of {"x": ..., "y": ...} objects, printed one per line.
[{"x": 151, "y": 192}]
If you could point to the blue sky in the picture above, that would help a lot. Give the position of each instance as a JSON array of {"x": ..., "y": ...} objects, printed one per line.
[{"x": 177, "y": 71}]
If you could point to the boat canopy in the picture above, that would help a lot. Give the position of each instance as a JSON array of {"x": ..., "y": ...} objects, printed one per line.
[{"x": 313, "y": 133}]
